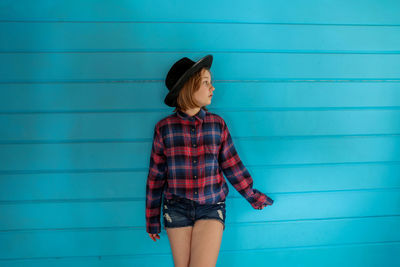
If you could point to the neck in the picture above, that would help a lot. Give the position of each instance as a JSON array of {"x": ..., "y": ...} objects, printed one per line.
[{"x": 191, "y": 112}]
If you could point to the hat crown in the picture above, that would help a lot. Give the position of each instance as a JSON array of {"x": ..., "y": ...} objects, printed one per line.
[
  {"x": 180, "y": 73},
  {"x": 177, "y": 70}
]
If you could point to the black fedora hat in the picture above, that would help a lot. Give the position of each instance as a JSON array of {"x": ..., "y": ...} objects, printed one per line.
[{"x": 180, "y": 73}]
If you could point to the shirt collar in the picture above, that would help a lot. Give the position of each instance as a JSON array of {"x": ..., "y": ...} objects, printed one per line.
[{"x": 199, "y": 115}]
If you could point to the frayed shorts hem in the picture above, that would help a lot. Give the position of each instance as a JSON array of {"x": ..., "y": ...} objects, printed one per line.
[
  {"x": 212, "y": 218},
  {"x": 192, "y": 224}
]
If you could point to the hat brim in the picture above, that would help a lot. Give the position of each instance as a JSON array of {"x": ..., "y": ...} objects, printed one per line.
[{"x": 171, "y": 97}]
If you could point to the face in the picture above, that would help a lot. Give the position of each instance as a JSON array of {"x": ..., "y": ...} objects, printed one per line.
[{"x": 204, "y": 94}]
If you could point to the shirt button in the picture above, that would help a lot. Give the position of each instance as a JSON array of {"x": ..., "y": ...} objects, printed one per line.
[
  {"x": 194, "y": 161},
  {"x": 195, "y": 192},
  {"x": 195, "y": 176},
  {"x": 194, "y": 145},
  {"x": 192, "y": 129}
]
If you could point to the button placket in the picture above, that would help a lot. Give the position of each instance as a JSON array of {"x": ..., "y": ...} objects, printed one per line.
[{"x": 194, "y": 145}]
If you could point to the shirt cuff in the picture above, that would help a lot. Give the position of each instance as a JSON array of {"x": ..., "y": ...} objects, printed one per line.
[
  {"x": 154, "y": 229},
  {"x": 258, "y": 199}
]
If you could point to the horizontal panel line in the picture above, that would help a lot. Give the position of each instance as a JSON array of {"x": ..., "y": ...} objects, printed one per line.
[
  {"x": 263, "y": 51},
  {"x": 135, "y": 228},
  {"x": 134, "y": 199},
  {"x": 249, "y": 166},
  {"x": 241, "y": 251},
  {"x": 149, "y": 140},
  {"x": 247, "y": 109},
  {"x": 272, "y": 80},
  {"x": 197, "y": 22}
]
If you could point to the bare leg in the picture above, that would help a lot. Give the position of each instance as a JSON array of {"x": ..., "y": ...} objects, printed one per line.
[
  {"x": 206, "y": 242},
  {"x": 179, "y": 239}
]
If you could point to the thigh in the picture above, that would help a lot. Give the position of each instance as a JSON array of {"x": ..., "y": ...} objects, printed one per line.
[
  {"x": 205, "y": 243},
  {"x": 179, "y": 239},
  {"x": 179, "y": 230}
]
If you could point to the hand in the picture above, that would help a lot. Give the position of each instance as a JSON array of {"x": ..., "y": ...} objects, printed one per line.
[{"x": 154, "y": 236}]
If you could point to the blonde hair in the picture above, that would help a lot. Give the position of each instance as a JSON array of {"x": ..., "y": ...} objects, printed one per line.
[{"x": 185, "y": 99}]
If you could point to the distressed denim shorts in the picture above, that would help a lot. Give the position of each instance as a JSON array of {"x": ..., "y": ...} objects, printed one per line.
[{"x": 181, "y": 212}]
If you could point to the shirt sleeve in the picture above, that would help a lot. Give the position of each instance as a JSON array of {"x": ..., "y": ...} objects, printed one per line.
[
  {"x": 237, "y": 174},
  {"x": 155, "y": 183}
]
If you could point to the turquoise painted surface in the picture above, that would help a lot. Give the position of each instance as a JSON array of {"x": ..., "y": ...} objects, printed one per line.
[{"x": 310, "y": 91}]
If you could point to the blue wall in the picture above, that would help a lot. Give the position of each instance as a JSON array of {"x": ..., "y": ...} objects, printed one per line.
[{"x": 310, "y": 90}]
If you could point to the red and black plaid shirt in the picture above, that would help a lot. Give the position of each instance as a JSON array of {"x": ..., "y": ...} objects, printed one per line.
[{"x": 187, "y": 159}]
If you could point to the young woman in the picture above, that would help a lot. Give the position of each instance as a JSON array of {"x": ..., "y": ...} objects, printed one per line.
[{"x": 191, "y": 150}]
